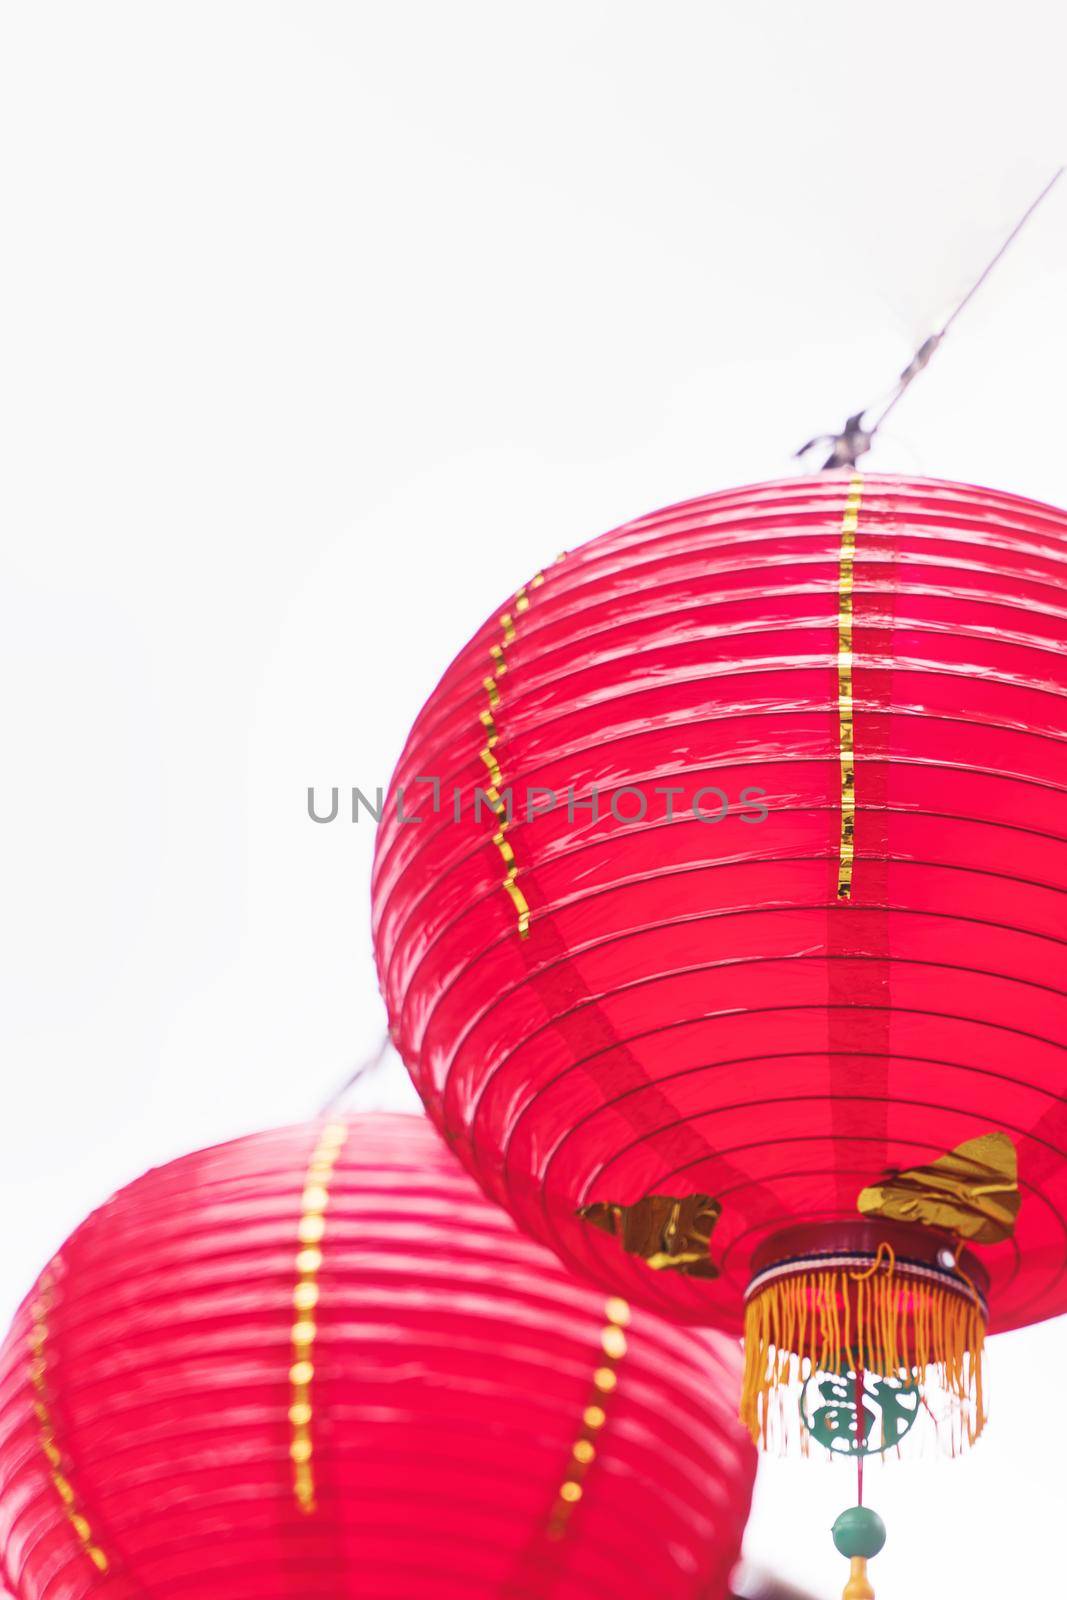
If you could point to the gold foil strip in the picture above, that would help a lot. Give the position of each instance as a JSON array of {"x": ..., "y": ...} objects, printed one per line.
[
  {"x": 845, "y": 718},
  {"x": 668, "y": 1232},
  {"x": 491, "y": 684},
  {"x": 972, "y": 1192},
  {"x": 38, "y": 1343},
  {"x": 310, "y": 1234},
  {"x": 595, "y": 1414}
]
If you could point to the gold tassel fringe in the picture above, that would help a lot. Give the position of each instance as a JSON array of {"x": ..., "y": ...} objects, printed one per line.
[{"x": 891, "y": 1325}]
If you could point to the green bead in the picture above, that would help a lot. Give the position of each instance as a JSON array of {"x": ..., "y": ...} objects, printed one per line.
[{"x": 859, "y": 1531}]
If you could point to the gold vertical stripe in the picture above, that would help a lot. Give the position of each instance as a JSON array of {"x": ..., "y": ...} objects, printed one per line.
[
  {"x": 38, "y": 1345},
  {"x": 491, "y": 684},
  {"x": 845, "y": 719},
  {"x": 594, "y": 1416},
  {"x": 310, "y": 1234}
]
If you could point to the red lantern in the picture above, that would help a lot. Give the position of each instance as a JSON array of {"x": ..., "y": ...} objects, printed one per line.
[
  {"x": 316, "y": 1363},
  {"x": 732, "y": 957}
]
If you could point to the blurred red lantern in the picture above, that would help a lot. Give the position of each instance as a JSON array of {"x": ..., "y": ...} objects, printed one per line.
[
  {"x": 727, "y": 946},
  {"x": 316, "y": 1363}
]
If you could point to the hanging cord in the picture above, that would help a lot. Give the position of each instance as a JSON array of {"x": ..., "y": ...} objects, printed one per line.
[
  {"x": 856, "y": 438},
  {"x": 365, "y": 1069},
  {"x": 885, "y": 1255},
  {"x": 861, "y": 1431}
]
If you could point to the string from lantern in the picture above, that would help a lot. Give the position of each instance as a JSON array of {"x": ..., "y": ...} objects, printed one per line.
[
  {"x": 854, "y": 440},
  {"x": 366, "y": 1068}
]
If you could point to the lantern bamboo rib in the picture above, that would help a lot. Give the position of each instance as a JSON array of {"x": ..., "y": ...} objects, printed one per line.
[
  {"x": 57, "y": 1470},
  {"x": 897, "y": 1328},
  {"x": 845, "y": 721}
]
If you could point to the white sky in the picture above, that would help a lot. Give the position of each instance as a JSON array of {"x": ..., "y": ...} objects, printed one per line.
[{"x": 321, "y": 327}]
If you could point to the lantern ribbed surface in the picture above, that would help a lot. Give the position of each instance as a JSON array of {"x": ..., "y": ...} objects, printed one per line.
[
  {"x": 315, "y": 1363},
  {"x": 833, "y": 954}
]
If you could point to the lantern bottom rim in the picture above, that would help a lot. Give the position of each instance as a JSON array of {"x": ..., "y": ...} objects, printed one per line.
[
  {"x": 899, "y": 1302},
  {"x": 917, "y": 1253}
]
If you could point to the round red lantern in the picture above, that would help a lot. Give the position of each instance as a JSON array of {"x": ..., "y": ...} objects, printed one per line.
[
  {"x": 720, "y": 907},
  {"x": 316, "y": 1363}
]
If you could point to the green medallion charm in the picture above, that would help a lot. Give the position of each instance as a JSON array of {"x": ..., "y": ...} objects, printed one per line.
[{"x": 848, "y": 1425}]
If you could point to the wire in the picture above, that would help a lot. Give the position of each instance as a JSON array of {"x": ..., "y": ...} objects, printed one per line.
[
  {"x": 364, "y": 1070},
  {"x": 855, "y": 439}
]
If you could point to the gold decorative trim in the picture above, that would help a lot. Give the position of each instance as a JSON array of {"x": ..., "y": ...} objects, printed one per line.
[
  {"x": 310, "y": 1234},
  {"x": 972, "y": 1192},
  {"x": 38, "y": 1341},
  {"x": 520, "y": 603},
  {"x": 595, "y": 1414},
  {"x": 669, "y": 1233},
  {"x": 845, "y": 721}
]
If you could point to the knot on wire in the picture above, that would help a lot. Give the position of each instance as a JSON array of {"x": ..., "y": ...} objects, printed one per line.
[{"x": 846, "y": 447}]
